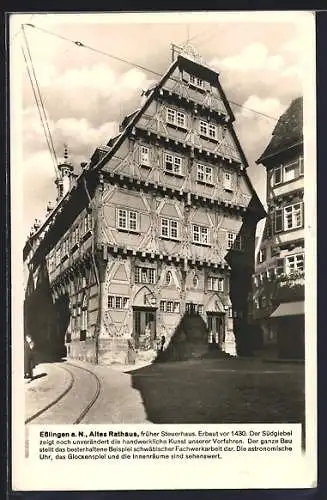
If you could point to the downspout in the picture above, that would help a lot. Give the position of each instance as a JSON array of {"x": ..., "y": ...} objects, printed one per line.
[{"x": 97, "y": 278}]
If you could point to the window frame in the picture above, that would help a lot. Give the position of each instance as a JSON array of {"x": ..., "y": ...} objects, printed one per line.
[
  {"x": 145, "y": 275},
  {"x": 216, "y": 284},
  {"x": 293, "y": 214},
  {"x": 200, "y": 229},
  {"x": 262, "y": 255},
  {"x": 176, "y": 164},
  {"x": 206, "y": 174},
  {"x": 298, "y": 258},
  {"x": 275, "y": 171},
  {"x": 167, "y": 224},
  {"x": 228, "y": 181},
  {"x": 204, "y": 130},
  {"x": 144, "y": 159},
  {"x": 121, "y": 300},
  {"x": 129, "y": 219},
  {"x": 295, "y": 167},
  {"x": 194, "y": 81},
  {"x": 175, "y": 118},
  {"x": 236, "y": 243},
  {"x": 168, "y": 278}
]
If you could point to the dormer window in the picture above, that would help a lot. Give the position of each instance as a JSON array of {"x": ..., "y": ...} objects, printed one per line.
[{"x": 197, "y": 82}]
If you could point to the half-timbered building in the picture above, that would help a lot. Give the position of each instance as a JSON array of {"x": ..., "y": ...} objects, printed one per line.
[
  {"x": 278, "y": 285},
  {"x": 151, "y": 246}
]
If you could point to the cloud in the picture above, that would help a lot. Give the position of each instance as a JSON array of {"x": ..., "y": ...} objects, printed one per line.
[
  {"x": 254, "y": 67},
  {"x": 95, "y": 92},
  {"x": 86, "y": 95}
]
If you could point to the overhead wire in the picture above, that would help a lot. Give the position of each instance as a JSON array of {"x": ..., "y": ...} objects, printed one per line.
[
  {"x": 39, "y": 102},
  {"x": 38, "y": 107},
  {"x": 40, "y": 97},
  {"x": 144, "y": 68}
]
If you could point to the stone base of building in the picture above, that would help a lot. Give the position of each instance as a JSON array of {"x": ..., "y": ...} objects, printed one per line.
[
  {"x": 115, "y": 350},
  {"x": 82, "y": 350}
]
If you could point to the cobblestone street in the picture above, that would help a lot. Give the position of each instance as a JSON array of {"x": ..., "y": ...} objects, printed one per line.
[{"x": 198, "y": 391}]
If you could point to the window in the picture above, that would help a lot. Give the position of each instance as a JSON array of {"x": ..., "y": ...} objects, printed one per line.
[
  {"x": 203, "y": 128},
  {"x": 145, "y": 275},
  {"x": 279, "y": 267},
  {"x": 208, "y": 129},
  {"x": 204, "y": 174},
  {"x": 262, "y": 255},
  {"x": 197, "y": 82},
  {"x": 117, "y": 302},
  {"x": 291, "y": 171},
  {"x": 176, "y": 307},
  {"x": 278, "y": 220},
  {"x": 64, "y": 249},
  {"x": 234, "y": 241},
  {"x": 145, "y": 156},
  {"x": 200, "y": 234},
  {"x": 294, "y": 263},
  {"x": 75, "y": 236},
  {"x": 168, "y": 278},
  {"x": 169, "y": 228},
  {"x": 293, "y": 216},
  {"x": 87, "y": 223},
  {"x": 195, "y": 281},
  {"x": 301, "y": 165},
  {"x": 175, "y": 117},
  {"x": 215, "y": 284},
  {"x": 127, "y": 219},
  {"x": 58, "y": 253},
  {"x": 169, "y": 306},
  {"x": 277, "y": 176},
  {"x": 227, "y": 182},
  {"x": 173, "y": 164}
]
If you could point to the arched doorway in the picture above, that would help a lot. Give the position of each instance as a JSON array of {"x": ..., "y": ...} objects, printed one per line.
[
  {"x": 216, "y": 321},
  {"x": 144, "y": 319}
]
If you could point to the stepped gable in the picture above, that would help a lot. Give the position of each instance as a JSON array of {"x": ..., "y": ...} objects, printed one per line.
[{"x": 287, "y": 132}]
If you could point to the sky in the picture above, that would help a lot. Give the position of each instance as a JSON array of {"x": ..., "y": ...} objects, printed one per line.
[{"x": 86, "y": 93}]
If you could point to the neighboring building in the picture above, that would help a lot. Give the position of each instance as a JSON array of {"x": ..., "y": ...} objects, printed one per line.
[
  {"x": 155, "y": 235},
  {"x": 279, "y": 278}
]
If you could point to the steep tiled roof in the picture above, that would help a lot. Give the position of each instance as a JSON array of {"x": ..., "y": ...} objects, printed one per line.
[{"x": 288, "y": 130}]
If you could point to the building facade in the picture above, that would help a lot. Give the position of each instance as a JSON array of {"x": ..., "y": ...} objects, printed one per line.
[
  {"x": 278, "y": 287},
  {"x": 152, "y": 245}
]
